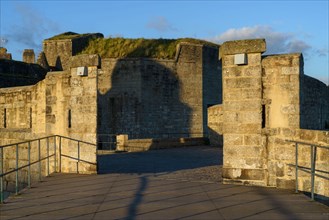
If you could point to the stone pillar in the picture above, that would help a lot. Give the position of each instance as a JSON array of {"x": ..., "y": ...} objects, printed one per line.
[
  {"x": 4, "y": 54},
  {"x": 244, "y": 155},
  {"x": 28, "y": 56},
  {"x": 121, "y": 140}
]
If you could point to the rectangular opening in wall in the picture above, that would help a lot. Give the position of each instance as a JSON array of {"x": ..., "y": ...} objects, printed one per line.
[
  {"x": 30, "y": 117},
  {"x": 69, "y": 117},
  {"x": 263, "y": 116},
  {"x": 5, "y": 118}
]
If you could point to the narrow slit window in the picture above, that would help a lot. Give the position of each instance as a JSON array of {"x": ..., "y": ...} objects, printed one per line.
[
  {"x": 69, "y": 118},
  {"x": 263, "y": 116},
  {"x": 30, "y": 117},
  {"x": 5, "y": 118}
]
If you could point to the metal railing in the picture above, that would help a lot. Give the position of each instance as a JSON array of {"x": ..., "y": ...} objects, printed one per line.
[
  {"x": 109, "y": 141},
  {"x": 106, "y": 141},
  {"x": 312, "y": 170},
  {"x": 28, "y": 145}
]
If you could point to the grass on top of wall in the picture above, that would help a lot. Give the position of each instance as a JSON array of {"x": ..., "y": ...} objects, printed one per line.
[
  {"x": 151, "y": 48},
  {"x": 63, "y": 36}
]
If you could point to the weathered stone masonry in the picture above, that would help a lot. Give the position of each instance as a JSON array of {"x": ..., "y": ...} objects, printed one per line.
[
  {"x": 266, "y": 101},
  {"x": 152, "y": 98}
]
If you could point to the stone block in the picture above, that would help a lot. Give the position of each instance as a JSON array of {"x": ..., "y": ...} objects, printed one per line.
[
  {"x": 234, "y": 128},
  {"x": 227, "y": 60},
  {"x": 243, "y": 151},
  {"x": 307, "y": 135},
  {"x": 242, "y": 94},
  {"x": 254, "y": 59},
  {"x": 236, "y": 160},
  {"x": 243, "y": 46},
  {"x": 233, "y": 139},
  {"x": 254, "y": 140},
  {"x": 243, "y": 174},
  {"x": 242, "y": 82},
  {"x": 285, "y": 183},
  {"x": 85, "y": 60},
  {"x": 248, "y": 105},
  {"x": 290, "y": 71}
]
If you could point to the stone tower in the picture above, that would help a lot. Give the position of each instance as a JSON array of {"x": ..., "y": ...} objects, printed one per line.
[{"x": 28, "y": 56}]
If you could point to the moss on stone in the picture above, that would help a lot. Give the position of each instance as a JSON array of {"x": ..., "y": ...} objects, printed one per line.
[
  {"x": 69, "y": 35},
  {"x": 140, "y": 47}
]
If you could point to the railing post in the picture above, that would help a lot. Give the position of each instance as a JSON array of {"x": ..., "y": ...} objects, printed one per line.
[
  {"x": 55, "y": 156},
  {"x": 29, "y": 167},
  {"x": 313, "y": 159},
  {"x": 16, "y": 180},
  {"x": 47, "y": 156},
  {"x": 39, "y": 159},
  {"x": 60, "y": 154},
  {"x": 78, "y": 156},
  {"x": 1, "y": 177},
  {"x": 296, "y": 162}
]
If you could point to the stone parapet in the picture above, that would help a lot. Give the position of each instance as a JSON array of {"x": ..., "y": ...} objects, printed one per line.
[
  {"x": 85, "y": 60},
  {"x": 243, "y": 46}
]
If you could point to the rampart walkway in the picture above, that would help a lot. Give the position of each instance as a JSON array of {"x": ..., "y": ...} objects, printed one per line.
[{"x": 165, "y": 184}]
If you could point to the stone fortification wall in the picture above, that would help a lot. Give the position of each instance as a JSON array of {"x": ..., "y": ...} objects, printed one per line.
[
  {"x": 59, "y": 51},
  {"x": 16, "y": 73},
  {"x": 244, "y": 153},
  {"x": 215, "y": 125},
  {"x": 22, "y": 112},
  {"x": 314, "y": 107},
  {"x": 281, "y": 159},
  {"x": 264, "y": 105},
  {"x": 133, "y": 145},
  {"x": 71, "y": 103},
  {"x": 281, "y": 90},
  {"x": 153, "y": 98},
  {"x": 62, "y": 104}
]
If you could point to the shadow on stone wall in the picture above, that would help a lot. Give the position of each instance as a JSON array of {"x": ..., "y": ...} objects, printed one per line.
[
  {"x": 15, "y": 73},
  {"x": 215, "y": 138},
  {"x": 314, "y": 104},
  {"x": 142, "y": 100}
]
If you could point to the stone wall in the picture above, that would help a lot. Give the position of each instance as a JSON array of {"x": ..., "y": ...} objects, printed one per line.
[
  {"x": 281, "y": 159},
  {"x": 16, "y": 73},
  {"x": 59, "y": 52},
  {"x": 244, "y": 153},
  {"x": 22, "y": 111},
  {"x": 314, "y": 107},
  {"x": 265, "y": 102},
  {"x": 71, "y": 104},
  {"x": 147, "y": 98},
  {"x": 215, "y": 125},
  {"x": 62, "y": 104},
  {"x": 133, "y": 145},
  {"x": 281, "y": 90}
]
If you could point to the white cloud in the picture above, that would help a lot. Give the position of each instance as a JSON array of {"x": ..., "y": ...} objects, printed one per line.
[
  {"x": 160, "y": 24},
  {"x": 277, "y": 42},
  {"x": 322, "y": 52},
  {"x": 32, "y": 28}
]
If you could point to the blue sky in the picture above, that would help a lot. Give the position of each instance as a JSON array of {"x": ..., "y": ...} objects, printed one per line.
[{"x": 287, "y": 26}]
